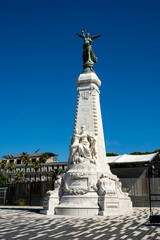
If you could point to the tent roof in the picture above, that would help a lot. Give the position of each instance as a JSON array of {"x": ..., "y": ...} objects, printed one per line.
[{"x": 131, "y": 158}]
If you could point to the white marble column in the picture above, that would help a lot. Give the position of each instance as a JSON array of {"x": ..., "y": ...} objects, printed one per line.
[{"x": 88, "y": 113}]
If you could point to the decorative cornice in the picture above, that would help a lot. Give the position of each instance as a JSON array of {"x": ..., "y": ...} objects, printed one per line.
[{"x": 88, "y": 78}]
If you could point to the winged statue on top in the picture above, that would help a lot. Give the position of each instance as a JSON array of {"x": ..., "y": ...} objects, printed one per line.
[{"x": 89, "y": 58}]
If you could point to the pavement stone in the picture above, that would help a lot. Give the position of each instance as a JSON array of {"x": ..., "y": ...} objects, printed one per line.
[{"x": 20, "y": 223}]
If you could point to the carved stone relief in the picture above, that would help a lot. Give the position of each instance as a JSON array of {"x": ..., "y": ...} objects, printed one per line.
[
  {"x": 85, "y": 95},
  {"x": 82, "y": 148},
  {"x": 106, "y": 186}
]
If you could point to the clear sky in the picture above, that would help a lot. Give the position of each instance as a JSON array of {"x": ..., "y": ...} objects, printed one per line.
[{"x": 41, "y": 57}]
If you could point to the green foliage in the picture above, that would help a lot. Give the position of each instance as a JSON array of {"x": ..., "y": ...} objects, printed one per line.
[
  {"x": 18, "y": 176},
  {"x": 3, "y": 163},
  {"x": 25, "y": 158},
  {"x": 111, "y": 154},
  {"x": 21, "y": 202},
  {"x": 3, "y": 180},
  {"x": 44, "y": 157},
  {"x": 55, "y": 173},
  {"x": 157, "y": 150},
  {"x": 36, "y": 165},
  {"x": 143, "y": 153},
  {"x": 11, "y": 167},
  {"x": 135, "y": 153}
]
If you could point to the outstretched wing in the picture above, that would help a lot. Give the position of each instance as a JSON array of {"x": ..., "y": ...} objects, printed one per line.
[
  {"x": 80, "y": 35},
  {"x": 96, "y": 36}
]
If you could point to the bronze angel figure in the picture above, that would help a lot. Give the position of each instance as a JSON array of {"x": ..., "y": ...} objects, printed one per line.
[{"x": 89, "y": 58}]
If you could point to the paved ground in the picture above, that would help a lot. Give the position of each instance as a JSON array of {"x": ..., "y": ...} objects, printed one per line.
[{"x": 22, "y": 224}]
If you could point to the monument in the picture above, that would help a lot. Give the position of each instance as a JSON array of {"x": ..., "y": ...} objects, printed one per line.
[{"x": 87, "y": 187}]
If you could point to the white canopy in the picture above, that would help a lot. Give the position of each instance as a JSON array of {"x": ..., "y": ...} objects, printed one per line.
[{"x": 131, "y": 158}]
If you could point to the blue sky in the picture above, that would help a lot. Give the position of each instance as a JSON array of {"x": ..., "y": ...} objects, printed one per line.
[{"x": 41, "y": 57}]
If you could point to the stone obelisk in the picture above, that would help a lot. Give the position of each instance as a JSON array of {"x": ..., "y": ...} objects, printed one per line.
[{"x": 88, "y": 187}]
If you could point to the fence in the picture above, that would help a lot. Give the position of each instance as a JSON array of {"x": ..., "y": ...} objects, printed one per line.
[
  {"x": 3, "y": 191},
  {"x": 138, "y": 190},
  {"x": 32, "y": 194}
]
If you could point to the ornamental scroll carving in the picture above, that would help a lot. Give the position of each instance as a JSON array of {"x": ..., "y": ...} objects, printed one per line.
[
  {"x": 57, "y": 186},
  {"x": 106, "y": 185},
  {"x": 78, "y": 183},
  {"x": 82, "y": 148}
]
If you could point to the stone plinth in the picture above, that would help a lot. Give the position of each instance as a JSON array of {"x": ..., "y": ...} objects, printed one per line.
[
  {"x": 51, "y": 200},
  {"x": 79, "y": 191}
]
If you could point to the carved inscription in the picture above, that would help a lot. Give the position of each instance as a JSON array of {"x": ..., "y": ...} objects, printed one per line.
[
  {"x": 85, "y": 95},
  {"x": 78, "y": 183},
  {"x": 112, "y": 205}
]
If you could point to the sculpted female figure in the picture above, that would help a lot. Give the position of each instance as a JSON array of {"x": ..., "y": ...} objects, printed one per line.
[
  {"x": 74, "y": 146},
  {"x": 83, "y": 147},
  {"x": 89, "y": 58}
]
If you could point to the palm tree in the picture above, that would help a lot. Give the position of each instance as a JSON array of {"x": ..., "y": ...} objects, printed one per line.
[
  {"x": 18, "y": 176},
  {"x": 3, "y": 180},
  {"x": 36, "y": 165},
  {"x": 11, "y": 167},
  {"x": 54, "y": 174},
  {"x": 44, "y": 157},
  {"x": 3, "y": 164},
  {"x": 25, "y": 158}
]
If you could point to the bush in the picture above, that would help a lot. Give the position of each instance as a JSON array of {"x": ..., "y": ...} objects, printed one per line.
[
  {"x": 21, "y": 202},
  {"x": 111, "y": 154},
  {"x": 3, "y": 180}
]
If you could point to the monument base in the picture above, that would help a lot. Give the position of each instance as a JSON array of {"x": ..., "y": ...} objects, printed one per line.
[
  {"x": 112, "y": 200},
  {"x": 51, "y": 200},
  {"x": 85, "y": 192},
  {"x": 78, "y": 205},
  {"x": 114, "y": 206}
]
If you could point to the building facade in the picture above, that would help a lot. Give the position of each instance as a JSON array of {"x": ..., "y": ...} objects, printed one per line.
[
  {"x": 133, "y": 170},
  {"x": 42, "y": 174}
]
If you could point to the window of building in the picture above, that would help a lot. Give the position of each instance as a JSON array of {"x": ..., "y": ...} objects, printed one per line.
[
  {"x": 18, "y": 161},
  {"x": 50, "y": 168},
  {"x": 11, "y": 161}
]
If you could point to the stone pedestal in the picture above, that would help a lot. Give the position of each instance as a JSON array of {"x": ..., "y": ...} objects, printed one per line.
[
  {"x": 79, "y": 191},
  {"x": 88, "y": 187},
  {"x": 112, "y": 200},
  {"x": 51, "y": 200}
]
